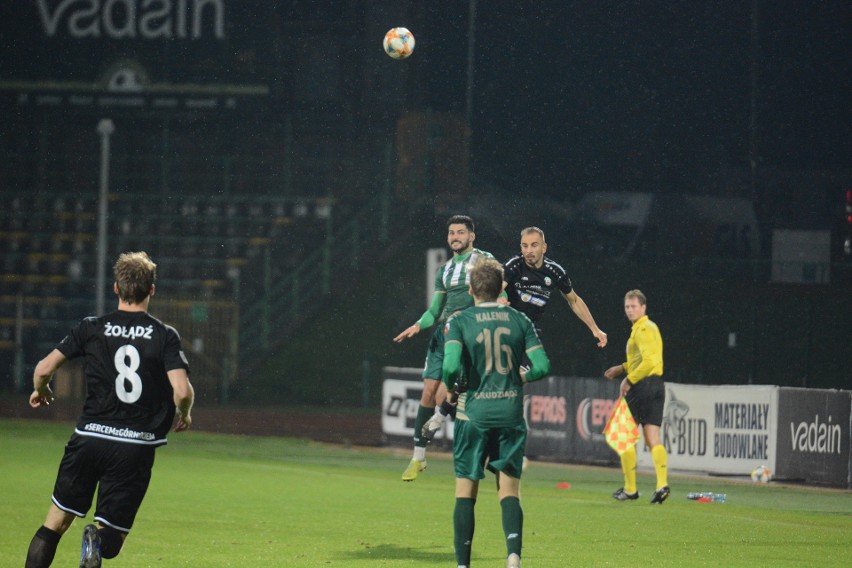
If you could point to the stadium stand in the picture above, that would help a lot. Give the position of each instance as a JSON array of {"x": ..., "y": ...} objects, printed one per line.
[{"x": 208, "y": 249}]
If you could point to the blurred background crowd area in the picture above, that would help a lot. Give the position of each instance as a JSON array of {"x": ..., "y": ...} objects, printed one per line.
[{"x": 288, "y": 178}]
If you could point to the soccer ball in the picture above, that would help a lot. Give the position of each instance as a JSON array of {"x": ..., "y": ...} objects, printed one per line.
[
  {"x": 398, "y": 43},
  {"x": 761, "y": 474}
]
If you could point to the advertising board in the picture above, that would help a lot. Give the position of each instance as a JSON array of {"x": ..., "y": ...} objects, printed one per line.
[
  {"x": 718, "y": 429},
  {"x": 814, "y": 436}
]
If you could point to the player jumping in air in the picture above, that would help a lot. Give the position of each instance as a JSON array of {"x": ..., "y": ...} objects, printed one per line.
[
  {"x": 531, "y": 280},
  {"x": 451, "y": 295}
]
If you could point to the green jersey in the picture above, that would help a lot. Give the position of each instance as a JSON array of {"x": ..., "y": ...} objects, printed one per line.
[
  {"x": 453, "y": 280},
  {"x": 493, "y": 339}
]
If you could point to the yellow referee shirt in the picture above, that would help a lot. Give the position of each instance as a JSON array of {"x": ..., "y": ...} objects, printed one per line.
[{"x": 644, "y": 351}]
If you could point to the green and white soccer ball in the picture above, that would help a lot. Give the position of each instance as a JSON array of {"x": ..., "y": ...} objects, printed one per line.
[{"x": 761, "y": 474}]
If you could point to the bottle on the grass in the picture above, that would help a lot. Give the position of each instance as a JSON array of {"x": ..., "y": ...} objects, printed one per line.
[{"x": 707, "y": 497}]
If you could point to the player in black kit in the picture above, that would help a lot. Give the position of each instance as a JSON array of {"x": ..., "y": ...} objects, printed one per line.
[
  {"x": 137, "y": 380},
  {"x": 531, "y": 279}
]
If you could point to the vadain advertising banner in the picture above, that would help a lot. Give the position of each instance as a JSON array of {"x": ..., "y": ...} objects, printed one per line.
[
  {"x": 153, "y": 55},
  {"x": 814, "y": 436}
]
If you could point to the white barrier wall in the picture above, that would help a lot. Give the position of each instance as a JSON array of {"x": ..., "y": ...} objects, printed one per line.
[
  {"x": 800, "y": 434},
  {"x": 401, "y": 391},
  {"x": 718, "y": 429}
]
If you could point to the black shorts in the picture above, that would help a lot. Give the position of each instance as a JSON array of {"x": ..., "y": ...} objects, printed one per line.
[
  {"x": 119, "y": 471},
  {"x": 647, "y": 400}
]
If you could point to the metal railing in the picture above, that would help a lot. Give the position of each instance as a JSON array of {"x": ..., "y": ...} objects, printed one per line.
[{"x": 286, "y": 300}]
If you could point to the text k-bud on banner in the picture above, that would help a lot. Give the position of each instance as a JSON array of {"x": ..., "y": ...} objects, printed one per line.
[{"x": 718, "y": 429}]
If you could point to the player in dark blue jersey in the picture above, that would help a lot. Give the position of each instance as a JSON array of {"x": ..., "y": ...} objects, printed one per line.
[{"x": 137, "y": 381}]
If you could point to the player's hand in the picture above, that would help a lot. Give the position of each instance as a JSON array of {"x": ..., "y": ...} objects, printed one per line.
[
  {"x": 183, "y": 423},
  {"x": 503, "y": 301},
  {"x": 625, "y": 386},
  {"x": 42, "y": 397},
  {"x": 453, "y": 395},
  {"x": 410, "y": 331},
  {"x": 601, "y": 337},
  {"x": 614, "y": 372}
]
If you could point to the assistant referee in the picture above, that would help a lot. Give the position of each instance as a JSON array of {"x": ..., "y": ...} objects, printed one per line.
[{"x": 645, "y": 392}]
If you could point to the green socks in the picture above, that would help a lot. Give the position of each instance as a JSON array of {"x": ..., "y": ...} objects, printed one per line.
[
  {"x": 423, "y": 414},
  {"x": 463, "y": 524},
  {"x": 513, "y": 524}
]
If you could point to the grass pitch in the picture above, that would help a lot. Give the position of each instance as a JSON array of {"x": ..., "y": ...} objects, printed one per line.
[{"x": 220, "y": 501}]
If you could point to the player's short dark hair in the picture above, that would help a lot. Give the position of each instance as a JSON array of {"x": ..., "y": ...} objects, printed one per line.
[
  {"x": 134, "y": 274},
  {"x": 638, "y": 295},
  {"x": 461, "y": 220},
  {"x": 486, "y": 279},
  {"x": 528, "y": 230}
]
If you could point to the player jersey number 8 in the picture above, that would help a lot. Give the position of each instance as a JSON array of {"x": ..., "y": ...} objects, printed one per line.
[{"x": 127, "y": 375}]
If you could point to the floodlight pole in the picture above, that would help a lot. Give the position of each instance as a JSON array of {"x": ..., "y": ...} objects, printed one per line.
[
  {"x": 19, "y": 343},
  {"x": 105, "y": 129},
  {"x": 753, "y": 152},
  {"x": 471, "y": 55}
]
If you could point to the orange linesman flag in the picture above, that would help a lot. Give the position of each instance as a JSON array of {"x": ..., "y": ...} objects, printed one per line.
[{"x": 621, "y": 430}]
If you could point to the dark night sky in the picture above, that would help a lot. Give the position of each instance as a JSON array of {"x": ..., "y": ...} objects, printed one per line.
[{"x": 571, "y": 96}]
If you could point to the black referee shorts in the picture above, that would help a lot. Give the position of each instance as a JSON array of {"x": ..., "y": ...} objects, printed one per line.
[
  {"x": 119, "y": 471},
  {"x": 647, "y": 400}
]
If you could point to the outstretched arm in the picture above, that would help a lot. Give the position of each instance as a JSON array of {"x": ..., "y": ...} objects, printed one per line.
[
  {"x": 579, "y": 307},
  {"x": 427, "y": 319},
  {"x": 42, "y": 395}
]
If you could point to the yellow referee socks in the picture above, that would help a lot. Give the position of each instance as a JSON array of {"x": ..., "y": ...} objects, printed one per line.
[
  {"x": 628, "y": 466},
  {"x": 660, "y": 465}
]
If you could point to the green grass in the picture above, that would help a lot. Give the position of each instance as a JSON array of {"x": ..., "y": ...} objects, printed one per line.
[{"x": 220, "y": 500}]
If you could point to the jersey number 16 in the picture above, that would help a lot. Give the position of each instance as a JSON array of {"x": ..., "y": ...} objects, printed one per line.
[{"x": 494, "y": 350}]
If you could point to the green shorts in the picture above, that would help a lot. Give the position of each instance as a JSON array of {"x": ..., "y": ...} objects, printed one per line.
[
  {"x": 435, "y": 354},
  {"x": 501, "y": 449},
  {"x": 434, "y": 367}
]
